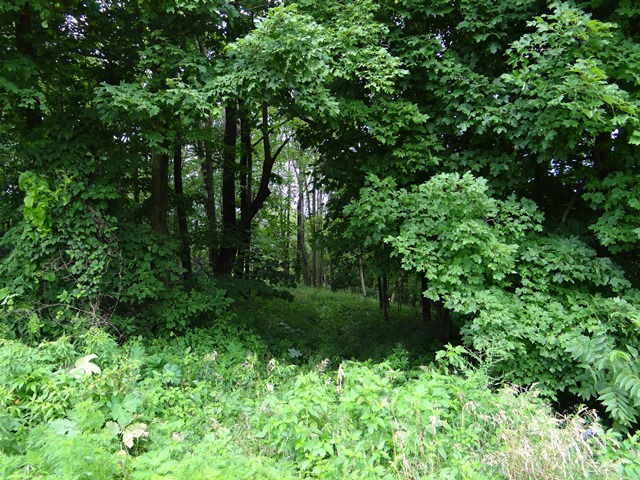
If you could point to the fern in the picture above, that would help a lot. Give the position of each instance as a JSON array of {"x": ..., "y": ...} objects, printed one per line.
[
  {"x": 628, "y": 379},
  {"x": 619, "y": 405}
]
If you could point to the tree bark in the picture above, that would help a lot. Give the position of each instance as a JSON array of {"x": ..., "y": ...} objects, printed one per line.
[
  {"x": 286, "y": 234},
  {"x": 238, "y": 232},
  {"x": 159, "y": 190},
  {"x": 246, "y": 180},
  {"x": 228, "y": 250},
  {"x": 205, "y": 152},
  {"x": 301, "y": 249},
  {"x": 181, "y": 211},
  {"x": 314, "y": 249},
  {"x": 318, "y": 257},
  {"x": 385, "y": 297},
  {"x": 265, "y": 178},
  {"x": 443, "y": 331},
  {"x": 362, "y": 283},
  {"x": 397, "y": 288},
  {"x": 427, "y": 319}
]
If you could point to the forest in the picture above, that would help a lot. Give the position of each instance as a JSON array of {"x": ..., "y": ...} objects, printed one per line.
[{"x": 319, "y": 239}]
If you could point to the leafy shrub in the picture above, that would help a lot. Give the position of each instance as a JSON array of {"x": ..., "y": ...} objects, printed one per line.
[
  {"x": 179, "y": 307},
  {"x": 36, "y": 387},
  {"x": 71, "y": 263},
  {"x": 563, "y": 317}
]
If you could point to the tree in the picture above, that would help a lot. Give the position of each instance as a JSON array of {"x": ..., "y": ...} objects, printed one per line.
[
  {"x": 537, "y": 100},
  {"x": 100, "y": 96}
]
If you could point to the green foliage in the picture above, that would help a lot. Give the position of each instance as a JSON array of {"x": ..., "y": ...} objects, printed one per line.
[
  {"x": 545, "y": 302},
  {"x": 37, "y": 198},
  {"x": 71, "y": 261},
  {"x": 308, "y": 56},
  {"x": 618, "y": 196},
  {"x": 607, "y": 352},
  {"x": 213, "y": 401},
  {"x": 200, "y": 302},
  {"x": 332, "y": 325},
  {"x": 449, "y": 228},
  {"x": 432, "y": 123},
  {"x": 574, "y": 50},
  {"x": 370, "y": 421},
  {"x": 625, "y": 454}
]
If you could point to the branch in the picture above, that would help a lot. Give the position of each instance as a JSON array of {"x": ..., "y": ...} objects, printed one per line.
[
  {"x": 569, "y": 207},
  {"x": 275, "y": 155}
]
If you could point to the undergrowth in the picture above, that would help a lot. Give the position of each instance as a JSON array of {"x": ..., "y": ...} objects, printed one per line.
[
  {"x": 319, "y": 324},
  {"x": 226, "y": 402}
]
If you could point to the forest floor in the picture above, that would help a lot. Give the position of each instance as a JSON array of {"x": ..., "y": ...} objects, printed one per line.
[{"x": 340, "y": 326}]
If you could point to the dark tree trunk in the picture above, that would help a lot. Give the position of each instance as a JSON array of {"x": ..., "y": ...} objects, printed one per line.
[
  {"x": 397, "y": 290},
  {"x": 246, "y": 160},
  {"x": 265, "y": 178},
  {"x": 254, "y": 206},
  {"x": 135, "y": 180},
  {"x": 205, "y": 152},
  {"x": 246, "y": 177},
  {"x": 301, "y": 250},
  {"x": 228, "y": 250},
  {"x": 286, "y": 234},
  {"x": 159, "y": 191},
  {"x": 183, "y": 230},
  {"x": 236, "y": 233},
  {"x": 427, "y": 319},
  {"x": 314, "y": 249},
  {"x": 317, "y": 252},
  {"x": 444, "y": 322},
  {"x": 385, "y": 297},
  {"x": 362, "y": 283}
]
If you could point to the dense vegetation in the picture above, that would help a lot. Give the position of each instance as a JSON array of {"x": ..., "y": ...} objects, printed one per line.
[
  {"x": 223, "y": 402},
  {"x": 171, "y": 169}
]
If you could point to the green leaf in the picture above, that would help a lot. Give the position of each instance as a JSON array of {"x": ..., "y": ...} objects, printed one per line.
[{"x": 64, "y": 427}]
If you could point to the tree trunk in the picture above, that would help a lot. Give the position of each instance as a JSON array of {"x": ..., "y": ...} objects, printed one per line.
[
  {"x": 228, "y": 250},
  {"x": 287, "y": 237},
  {"x": 205, "y": 152},
  {"x": 362, "y": 284},
  {"x": 159, "y": 190},
  {"x": 397, "y": 289},
  {"x": 385, "y": 297},
  {"x": 443, "y": 331},
  {"x": 181, "y": 211},
  {"x": 301, "y": 250},
  {"x": 317, "y": 220},
  {"x": 237, "y": 233},
  {"x": 246, "y": 177},
  {"x": 270, "y": 157},
  {"x": 427, "y": 319},
  {"x": 314, "y": 250}
]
